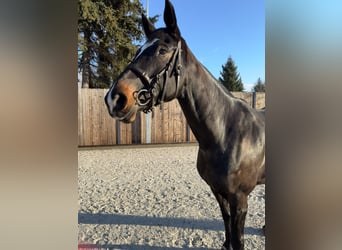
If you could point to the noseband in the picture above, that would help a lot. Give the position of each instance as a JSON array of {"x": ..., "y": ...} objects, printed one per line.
[{"x": 145, "y": 96}]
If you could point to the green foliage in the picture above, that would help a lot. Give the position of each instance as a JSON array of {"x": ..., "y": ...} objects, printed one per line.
[
  {"x": 108, "y": 34},
  {"x": 259, "y": 86},
  {"x": 230, "y": 78}
]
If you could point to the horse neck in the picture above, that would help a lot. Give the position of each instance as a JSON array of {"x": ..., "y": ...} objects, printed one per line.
[{"x": 206, "y": 105}]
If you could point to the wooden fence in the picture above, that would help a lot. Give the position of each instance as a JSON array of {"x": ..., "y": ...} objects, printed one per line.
[{"x": 97, "y": 128}]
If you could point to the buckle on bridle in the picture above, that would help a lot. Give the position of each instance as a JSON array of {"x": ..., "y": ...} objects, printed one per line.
[{"x": 143, "y": 97}]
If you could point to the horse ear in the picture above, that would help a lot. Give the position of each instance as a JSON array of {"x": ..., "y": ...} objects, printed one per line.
[
  {"x": 171, "y": 20},
  {"x": 147, "y": 26}
]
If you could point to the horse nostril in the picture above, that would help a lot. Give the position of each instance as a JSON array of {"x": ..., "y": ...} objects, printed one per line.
[
  {"x": 120, "y": 98},
  {"x": 121, "y": 101}
]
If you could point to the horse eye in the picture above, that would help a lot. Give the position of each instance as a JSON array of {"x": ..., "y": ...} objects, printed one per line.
[{"x": 162, "y": 51}]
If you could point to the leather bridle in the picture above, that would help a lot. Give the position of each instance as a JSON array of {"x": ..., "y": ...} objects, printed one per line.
[{"x": 145, "y": 96}]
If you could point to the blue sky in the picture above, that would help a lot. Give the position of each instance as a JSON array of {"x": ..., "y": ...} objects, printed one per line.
[{"x": 217, "y": 29}]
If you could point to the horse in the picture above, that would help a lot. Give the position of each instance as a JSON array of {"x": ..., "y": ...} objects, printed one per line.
[{"x": 230, "y": 134}]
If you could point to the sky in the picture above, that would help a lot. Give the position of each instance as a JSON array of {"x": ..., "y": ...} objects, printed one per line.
[{"x": 217, "y": 29}]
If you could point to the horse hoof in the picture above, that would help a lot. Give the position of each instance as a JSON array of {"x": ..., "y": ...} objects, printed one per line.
[{"x": 264, "y": 229}]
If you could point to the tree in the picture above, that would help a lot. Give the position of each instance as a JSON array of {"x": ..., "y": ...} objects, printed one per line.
[
  {"x": 230, "y": 78},
  {"x": 108, "y": 34},
  {"x": 259, "y": 86}
]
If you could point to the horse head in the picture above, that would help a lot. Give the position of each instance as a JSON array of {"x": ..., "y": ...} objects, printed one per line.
[{"x": 153, "y": 76}]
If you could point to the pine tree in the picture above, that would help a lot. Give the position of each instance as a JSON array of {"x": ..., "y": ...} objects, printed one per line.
[
  {"x": 259, "y": 86},
  {"x": 230, "y": 78},
  {"x": 108, "y": 34}
]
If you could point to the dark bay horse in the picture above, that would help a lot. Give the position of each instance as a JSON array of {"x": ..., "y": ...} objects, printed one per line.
[{"x": 231, "y": 135}]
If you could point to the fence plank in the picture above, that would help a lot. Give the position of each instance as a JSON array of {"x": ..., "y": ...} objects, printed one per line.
[
  {"x": 260, "y": 100},
  {"x": 96, "y": 127}
]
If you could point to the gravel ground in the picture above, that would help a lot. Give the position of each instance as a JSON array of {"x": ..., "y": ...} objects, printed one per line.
[{"x": 153, "y": 198}]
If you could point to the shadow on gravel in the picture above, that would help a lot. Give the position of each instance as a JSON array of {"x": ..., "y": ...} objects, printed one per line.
[
  {"x": 121, "y": 219},
  {"x": 134, "y": 247}
]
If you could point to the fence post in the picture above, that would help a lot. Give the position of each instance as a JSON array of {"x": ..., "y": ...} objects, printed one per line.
[
  {"x": 148, "y": 127},
  {"x": 187, "y": 135},
  {"x": 254, "y": 99},
  {"x": 118, "y": 132},
  {"x": 136, "y": 130}
]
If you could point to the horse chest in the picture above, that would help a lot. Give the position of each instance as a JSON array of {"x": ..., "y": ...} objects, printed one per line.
[{"x": 212, "y": 166}]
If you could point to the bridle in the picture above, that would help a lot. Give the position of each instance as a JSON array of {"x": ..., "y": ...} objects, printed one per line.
[{"x": 145, "y": 96}]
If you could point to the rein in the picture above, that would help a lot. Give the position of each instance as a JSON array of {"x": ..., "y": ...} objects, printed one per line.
[{"x": 145, "y": 96}]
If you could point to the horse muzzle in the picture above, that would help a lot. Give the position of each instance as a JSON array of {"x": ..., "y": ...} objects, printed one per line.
[{"x": 120, "y": 102}]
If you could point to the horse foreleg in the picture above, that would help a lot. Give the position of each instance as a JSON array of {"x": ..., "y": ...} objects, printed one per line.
[
  {"x": 224, "y": 206},
  {"x": 238, "y": 211}
]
